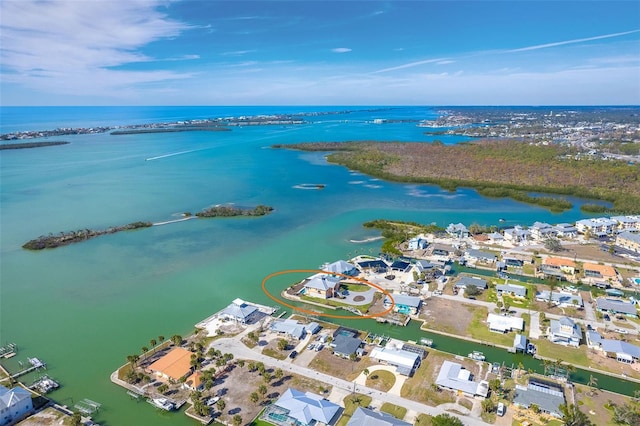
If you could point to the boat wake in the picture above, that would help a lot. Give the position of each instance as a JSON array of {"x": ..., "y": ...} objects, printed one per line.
[
  {"x": 367, "y": 240},
  {"x": 171, "y": 155}
]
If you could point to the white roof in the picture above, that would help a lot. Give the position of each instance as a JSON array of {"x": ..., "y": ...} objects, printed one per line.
[
  {"x": 339, "y": 267},
  {"x": 238, "y": 310},
  {"x": 307, "y": 407},
  {"x": 403, "y": 299},
  {"x": 453, "y": 376},
  {"x": 397, "y": 357},
  {"x": 504, "y": 323}
]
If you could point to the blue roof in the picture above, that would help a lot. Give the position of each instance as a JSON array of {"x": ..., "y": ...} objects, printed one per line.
[
  {"x": 366, "y": 417},
  {"x": 307, "y": 407}
]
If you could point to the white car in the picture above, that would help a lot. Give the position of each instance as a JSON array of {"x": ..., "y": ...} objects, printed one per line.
[{"x": 501, "y": 409}]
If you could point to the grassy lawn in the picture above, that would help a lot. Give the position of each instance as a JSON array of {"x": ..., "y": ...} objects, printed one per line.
[
  {"x": 567, "y": 354},
  {"x": 478, "y": 329},
  {"x": 466, "y": 403},
  {"x": 351, "y": 403},
  {"x": 419, "y": 386},
  {"x": 331, "y": 302},
  {"x": 381, "y": 379},
  {"x": 123, "y": 371},
  {"x": 274, "y": 353},
  {"x": 423, "y": 420},
  {"x": 357, "y": 288},
  {"x": 395, "y": 410}
]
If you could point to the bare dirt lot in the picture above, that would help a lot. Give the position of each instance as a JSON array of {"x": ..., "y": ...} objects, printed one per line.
[
  {"x": 336, "y": 366},
  {"x": 438, "y": 314}
]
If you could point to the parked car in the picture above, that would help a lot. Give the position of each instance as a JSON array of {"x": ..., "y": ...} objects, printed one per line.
[
  {"x": 293, "y": 354},
  {"x": 607, "y": 317},
  {"x": 501, "y": 409}
]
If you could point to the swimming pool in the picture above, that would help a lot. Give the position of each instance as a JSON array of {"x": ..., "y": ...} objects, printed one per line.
[{"x": 637, "y": 281}]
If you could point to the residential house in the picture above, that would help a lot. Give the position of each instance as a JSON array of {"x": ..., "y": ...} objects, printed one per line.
[
  {"x": 622, "y": 351},
  {"x": 404, "y": 304},
  {"x": 405, "y": 361},
  {"x": 514, "y": 290},
  {"x": 302, "y": 409},
  {"x": 465, "y": 281},
  {"x": 289, "y": 327},
  {"x": 565, "y": 331},
  {"x": 627, "y": 223},
  {"x": 175, "y": 365},
  {"x": 194, "y": 382},
  {"x": 321, "y": 286},
  {"x": 495, "y": 238},
  {"x": 377, "y": 266},
  {"x": 454, "y": 377},
  {"x": 595, "y": 273},
  {"x": 346, "y": 342},
  {"x": 546, "y": 395},
  {"x": 240, "y": 311},
  {"x": 442, "y": 252},
  {"x": 367, "y": 417},
  {"x": 597, "y": 227},
  {"x": 15, "y": 404},
  {"x": 473, "y": 255},
  {"x": 340, "y": 267},
  {"x": 566, "y": 230},
  {"x": 541, "y": 231},
  {"x": 504, "y": 323},
  {"x": 400, "y": 266},
  {"x": 516, "y": 234},
  {"x": 558, "y": 264},
  {"x": 560, "y": 298},
  {"x": 417, "y": 243},
  {"x": 520, "y": 343},
  {"x": 616, "y": 307},
  {"x": 629, "y": 241},
  {"x": 457, "y": 230}
]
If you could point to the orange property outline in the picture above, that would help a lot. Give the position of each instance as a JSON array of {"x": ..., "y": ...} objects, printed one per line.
[{"x": 306, "y": 311}]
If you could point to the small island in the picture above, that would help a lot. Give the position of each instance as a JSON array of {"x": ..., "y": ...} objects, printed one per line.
[
  {"x": 65, "y": 238},
  {"x": 31, "y": 145}
]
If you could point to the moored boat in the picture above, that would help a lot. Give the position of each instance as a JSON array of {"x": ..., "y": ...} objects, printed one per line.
[{"x": 478, "y": 356}]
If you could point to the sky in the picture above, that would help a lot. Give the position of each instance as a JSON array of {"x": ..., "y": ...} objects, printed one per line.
[{"x": 298, "y": 52}]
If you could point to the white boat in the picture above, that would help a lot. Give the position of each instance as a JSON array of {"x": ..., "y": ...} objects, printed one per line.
[
  {"x": 478, "y": 356},
  {"x": 426, "y": 342},
  {"x": 163, "y": 403}
]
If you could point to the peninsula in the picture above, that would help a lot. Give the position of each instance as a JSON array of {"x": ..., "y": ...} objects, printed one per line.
[
  {"x": 65, "y": 238},
  {"x": 496, "y": 168},
  {"x": 30, "y": 145}
]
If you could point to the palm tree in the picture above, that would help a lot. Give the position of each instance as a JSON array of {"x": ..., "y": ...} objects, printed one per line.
[
  {"x": 572, "y": 416},
  {"x": 161, "y": 338},
  {"x": 153, "y": 342},
  {"x": 145, "y": 349},
  {"x": 592, "y": 383},
  {"x": 237, "y": 420},
  {"x": 262, "y": 390},
  {"x": 221, "y": 404},
  {"x": 279, "y": 374}
]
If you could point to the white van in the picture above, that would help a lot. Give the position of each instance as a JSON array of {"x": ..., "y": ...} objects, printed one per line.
[{"x": 501, "y": 409}]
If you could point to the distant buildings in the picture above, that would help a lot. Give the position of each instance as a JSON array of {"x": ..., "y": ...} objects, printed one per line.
[
  {"x": 15, "y": 404},
  {"x": 629, "y": 241}
]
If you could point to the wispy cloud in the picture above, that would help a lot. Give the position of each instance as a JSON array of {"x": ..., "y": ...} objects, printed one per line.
[
  {"x": 341, "y": 50},
  {"x": 577, "y": 40},
  {"x": 409, "y": 65},
  {"x": 445, "y": 62},
  {"x": 60, "y": 43},
  {"x": 237, "y": 52}
]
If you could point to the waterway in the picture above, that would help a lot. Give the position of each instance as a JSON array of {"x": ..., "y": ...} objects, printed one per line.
[{"x": 83, "y": 308}]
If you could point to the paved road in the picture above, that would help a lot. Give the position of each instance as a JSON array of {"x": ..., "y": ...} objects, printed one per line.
[{"x": 240, "y": 351}]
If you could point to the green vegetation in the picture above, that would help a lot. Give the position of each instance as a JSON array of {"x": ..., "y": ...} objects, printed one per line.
[
  {"x": 495, "y": 168},
  {"x": 64, "y": 238},
  {"x": 356, "y": 288},
  {"x": 396, "y": 232},
  {"x": 395, "y": 410},
  {"x": 478, "y": 328},
  {"x": 230, "y": 211},
  {"x": 381, "y": 379},
  {"x": 30, "y": 145},
  {"x": 351, "y": 403}
]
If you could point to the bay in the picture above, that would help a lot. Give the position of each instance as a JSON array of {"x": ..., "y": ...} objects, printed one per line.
[{"x": 83, "y": 308}]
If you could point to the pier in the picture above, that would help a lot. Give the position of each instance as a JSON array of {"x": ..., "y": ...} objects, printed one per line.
[
  {"x": 8, "y": 350},
  {"x": 36, "y": 365}
]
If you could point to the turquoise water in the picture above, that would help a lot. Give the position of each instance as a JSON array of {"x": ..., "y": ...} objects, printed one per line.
[
  {"x": 637, "y": 281},
  {"x": 83, "y": 308}
]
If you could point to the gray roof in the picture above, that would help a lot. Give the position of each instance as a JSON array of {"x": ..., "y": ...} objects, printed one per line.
[
  {"x": 630, "y": 236},
  {"x": 307, "y": 407},
  {"x": 518, "y": 290},
  {"x": 322, "y": 282},
  {"x": 366, "y": 417},
  {"x": 615, "y": 305},
  {"x": 560, "y": 297},
  {"x": 403, "y": 299},
  {"x": 479, "y": 254},
  {"x": 465, "y": 281},
  {"x": 345, "y": 345},
  {"x": 339, "y": 267},
  {"x": 520, "y": 342},
  {"x": 612, "y": 345},
  {"x": 291, "y": 327},
  {"x": 576, "y": 332},
  {"x": 495, "y": 236},
  {"x": 238, "y": 310},
  {"x": 546, "y": 398},
  {"x": 312, "y": 327},
  {"x": 453, "y": 376}
]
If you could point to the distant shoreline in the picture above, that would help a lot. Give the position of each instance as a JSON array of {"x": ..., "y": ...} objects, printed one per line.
[{"x": 26, "y": 145}]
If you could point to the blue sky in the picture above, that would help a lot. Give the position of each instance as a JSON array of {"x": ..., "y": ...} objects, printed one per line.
[{"x": 111, "y": 52}]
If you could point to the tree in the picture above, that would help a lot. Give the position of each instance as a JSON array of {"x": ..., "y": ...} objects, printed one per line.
[
  {"x": 494, "y": 384},
  {"x": 240, "y": 363},
  {"x": 472, "y": 290},
  {"x": 365, "y": 372},
  {"x": 176, "y": 339},
  {"x": 145, "y": 349},
  {"x": 499, "y": 304},
  {"x": 153, "y": 343},
  {"x": 163, "y": 388},
  {"x": 353, "y": 357},
  {"x": 161, "y": 338},
  {"x": 572, "y": 416},
  {"x": 534, "y": 408},
  {"x": 76, "y": 419},
  {"x": 446, "y": 420},
  {"x": 279, "y": 373},
  {"x": 221, "y": 404},
  {"x": 200, "y": 408},
  {"x": 488, "y": 405},
  {"x": 507, "y": 306},
  {"x": 262, "y": 390},
  {"x": 283, "y": 344},
  {"x": 266, "y": 377},
  {"x": 627, "y": 414},
  {"x": 254, "y": 397},
  {"x": 552, "y": 244},
  {"x": 133, "y": 359},
  {"x": 237, "y": 420}
]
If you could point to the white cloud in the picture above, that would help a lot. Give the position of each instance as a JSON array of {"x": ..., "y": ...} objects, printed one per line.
[
  {"x": 341, "y": 50},
  {"x": 47, "y": 45},
  {"x": 409, "y": 65},
  {"x": 445, "y": 62},
  {"x": 237, "y": 52}
]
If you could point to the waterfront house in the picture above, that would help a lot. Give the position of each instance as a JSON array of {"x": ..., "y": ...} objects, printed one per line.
[
  {"x": 344, "y": 345},
  {"x": 516, "y": 234},
  {"x": 560, "y": 298},
  {"x": 407, "y": 305},
  {"x": 289, "y": 327},
  {"x": 175, "y": 365},
  {"x": 367, "y": 417},
  {"x": 541, "y": 231},
  {"x": 627, "y": 223},
  {"x": 442, "y": 252},
  {"x": 340, "y": 267},
  {"x": 520, "y": 343},
  {"x": 194, "y": 382},
  {"x": 565, "y": 331},
  {"x": 546, "y": 395},
  {"x": 513, "y": 290},
  {"x": 558, "y": 264},
  {"x": 616, "y": 307},
  {"x": 377, "y": 266},
  {"x": 622, "y": 351},
  {"x": 565, "y": 230},
  {"x": 473, "y": 255},
  {"x": 321, "y": 286},
  {"x": 405, "y": 361},
  {"x": 629, "y": 241},
  {"x": 495, "y": 237},
  {"x": 457, "y": 230},
  {"x": 240, "y": 311},
  {"x": 302, "y": 409},
  {"x": 417, "y": 243},
  {"x": 504, "y": 323},
  {"x": 595, "y": 273},
  {"x": 400, "y": 266},
  {"x": 15, "y": 404},
  {"x": 454, "y": 376},
  {"x": 465, "y": 281},
  {"x": 597, "y": 227}
]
